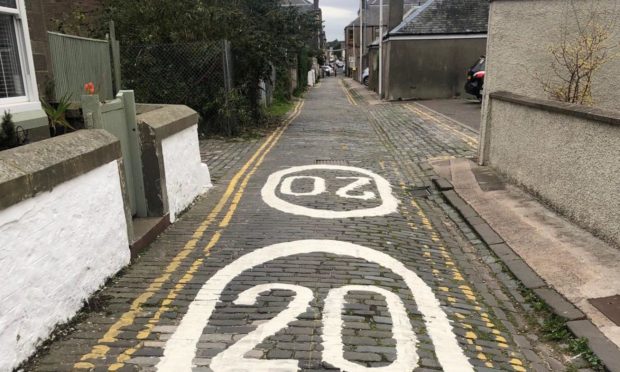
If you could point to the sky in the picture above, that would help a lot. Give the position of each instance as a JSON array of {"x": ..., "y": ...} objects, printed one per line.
[{"x": 337, "y": 14}]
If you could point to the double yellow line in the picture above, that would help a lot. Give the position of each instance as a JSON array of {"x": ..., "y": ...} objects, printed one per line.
[
  {"x": 348, "y": 94},
  {"x": 471, "y": 140},
  {"x": 235, "y": 190}
]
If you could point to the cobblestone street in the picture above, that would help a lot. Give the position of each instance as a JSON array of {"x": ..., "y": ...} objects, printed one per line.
[{"x": 324, "y": 246}]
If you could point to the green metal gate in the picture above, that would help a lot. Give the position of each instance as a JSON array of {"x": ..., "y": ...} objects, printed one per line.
[{"x": 118, "y": 117}]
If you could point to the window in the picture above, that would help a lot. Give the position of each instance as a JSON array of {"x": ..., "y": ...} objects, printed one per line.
[
  {"x": 17, "y": 84},
  {"x": 11, "y": 79}
]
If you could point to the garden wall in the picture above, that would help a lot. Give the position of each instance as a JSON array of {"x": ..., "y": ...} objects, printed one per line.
[
  {"x": 174, "y": 174},
  {"x": 63, "y": 232},
  {"x": 566, "y": 154}
]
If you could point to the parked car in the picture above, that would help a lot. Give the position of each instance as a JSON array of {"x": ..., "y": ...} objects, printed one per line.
[
  {"x": 366, "y": 76},
  {"x": 475, "y": 78},
  {"x": 327, "y": 69},
  {"x": 339, "y": 63}
]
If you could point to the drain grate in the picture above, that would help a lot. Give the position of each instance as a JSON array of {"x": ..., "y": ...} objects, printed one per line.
[
  {"x": 331, "y": 162},
  {"x": 609, "y": 306}
]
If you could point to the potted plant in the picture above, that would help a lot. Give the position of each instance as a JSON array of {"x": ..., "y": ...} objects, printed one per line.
[{"x": 56, "y": 115}]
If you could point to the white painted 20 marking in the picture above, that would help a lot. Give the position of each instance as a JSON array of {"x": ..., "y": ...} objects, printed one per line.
[
  {"x": 181, "y": 347},
  {"x": 389, "y": 203},
  {"x": 333, "y": 347},
  {"x": 232, "y": 359},
  {"x": 319, "y": 186}
]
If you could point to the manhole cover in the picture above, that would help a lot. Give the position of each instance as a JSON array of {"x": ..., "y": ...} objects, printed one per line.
[
  {"x": 609, "y": 306},
  {"x": 332, "y": 162}
]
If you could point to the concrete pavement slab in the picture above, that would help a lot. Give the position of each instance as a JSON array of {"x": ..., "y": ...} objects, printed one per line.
[{"x": 569, "y": 259}]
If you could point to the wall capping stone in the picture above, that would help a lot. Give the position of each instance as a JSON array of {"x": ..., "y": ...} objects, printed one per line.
[
  {"x": 28, "y": 170},
  {"x": 168, "y": 120},
  {"x": 590, "y": 113},
  {"x": 156, "y": 123}
]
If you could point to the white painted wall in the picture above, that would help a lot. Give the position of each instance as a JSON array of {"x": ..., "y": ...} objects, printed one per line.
[
  {"x": 56, "y": 249},
  {"x": 186, "y": 176}
]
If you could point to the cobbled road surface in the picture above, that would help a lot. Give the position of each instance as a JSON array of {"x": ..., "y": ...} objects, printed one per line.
[{"x": 322, "y": 247}]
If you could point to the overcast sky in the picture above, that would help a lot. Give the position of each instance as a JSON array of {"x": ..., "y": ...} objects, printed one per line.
[{"x": 337, "y": 14}]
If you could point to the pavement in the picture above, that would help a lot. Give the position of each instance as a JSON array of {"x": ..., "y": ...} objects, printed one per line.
[
  {"x": 569, "y": 260},
  {"x": 465, "y": 111},
  {"x": 324, "y": 246}
]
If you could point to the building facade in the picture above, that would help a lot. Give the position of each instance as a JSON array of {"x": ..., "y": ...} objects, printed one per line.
[
  {"x": 357, "y": 42},
  {"x": 428, "y": 54}
]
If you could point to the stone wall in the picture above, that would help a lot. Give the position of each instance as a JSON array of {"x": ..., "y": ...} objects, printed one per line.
[
  {"x": 63, "y": 233},
  {"x": 174, "y": 174}
]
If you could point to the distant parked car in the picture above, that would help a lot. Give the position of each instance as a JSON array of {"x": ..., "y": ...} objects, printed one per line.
[
  {"x": 366, "y": 76},
  {"x": 339, "y": 63},
  {"x": 475, "y": 78},
  {"x": 327, "y": 69}
]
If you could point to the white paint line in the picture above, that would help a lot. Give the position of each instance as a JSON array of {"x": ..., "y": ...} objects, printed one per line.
[
  {"x": 389, "y": 202},
  {"x": 359, "y": 182},
  {"x": 232, "y": 359},
  {"x": 318, "y": 187},
  {"x": 333, "y": 347},
  {"x": 181, "y": 348}
]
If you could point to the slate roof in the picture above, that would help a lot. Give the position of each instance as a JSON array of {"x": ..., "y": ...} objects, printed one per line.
[
  {"x": 302, "y": 5},
  {"x": 442, "y": 17},
  {"x": 373, "y": 11}
]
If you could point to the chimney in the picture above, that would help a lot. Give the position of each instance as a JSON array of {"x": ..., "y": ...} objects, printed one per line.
[
  {"x": 316, "y": 4},
  {"x": 397, "y": 11}
]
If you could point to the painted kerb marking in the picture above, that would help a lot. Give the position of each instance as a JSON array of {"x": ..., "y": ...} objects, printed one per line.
[{"x": 181, "y": 347}]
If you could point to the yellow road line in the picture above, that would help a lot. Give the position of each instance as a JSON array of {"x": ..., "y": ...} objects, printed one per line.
[
  {"x": 189, "y": 275},
  {"x": 348, "y": 94},
  {"x": 472, "y": 141},
  {"x": 99, "y": 351},
  {"x": 457, "y": 276}
]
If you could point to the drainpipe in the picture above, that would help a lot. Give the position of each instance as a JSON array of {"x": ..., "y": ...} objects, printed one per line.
[
  {"x": 381, "y": 49},
  {"x": 361, "y": 40}
]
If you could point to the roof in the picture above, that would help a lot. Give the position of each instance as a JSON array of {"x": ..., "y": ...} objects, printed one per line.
[
  {"x": 373, "y": 12},
  {"x": 302, "y": 5},
  {"x": 441, "y": 17}
]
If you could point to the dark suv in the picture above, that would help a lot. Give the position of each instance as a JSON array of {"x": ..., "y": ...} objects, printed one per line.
[{"x": 475, "y": 78}]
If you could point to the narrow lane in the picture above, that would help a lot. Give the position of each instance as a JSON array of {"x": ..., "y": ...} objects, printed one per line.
[{"x": 328, "y": 249}]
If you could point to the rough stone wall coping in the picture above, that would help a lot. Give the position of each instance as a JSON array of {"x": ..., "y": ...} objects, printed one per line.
[
  {"x": 168, "y": 120},
  {"x": 28, "y": 170},
  {"x": 584, "y": 112}
]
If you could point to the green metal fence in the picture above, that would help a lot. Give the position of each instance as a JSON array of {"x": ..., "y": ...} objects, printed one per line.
[{"x": 77, "y": 61}]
